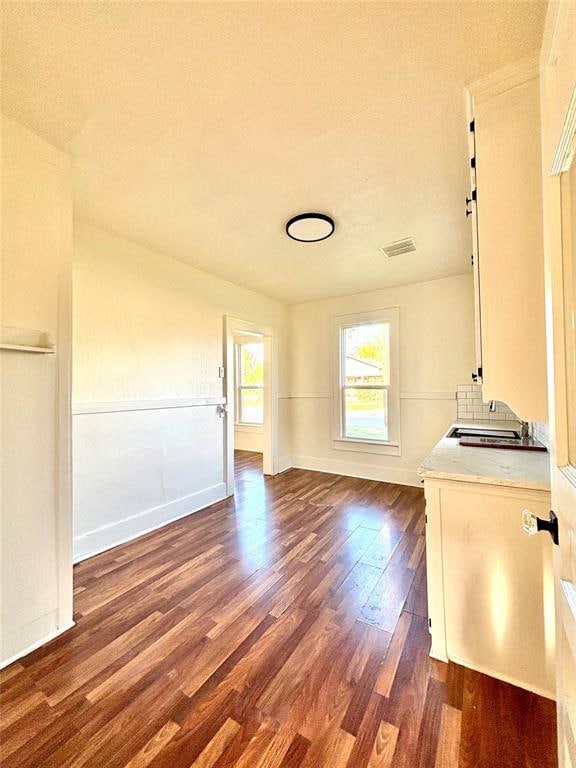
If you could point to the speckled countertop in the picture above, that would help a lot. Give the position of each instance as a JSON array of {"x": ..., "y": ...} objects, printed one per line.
[{"x": 495, "y": 466}]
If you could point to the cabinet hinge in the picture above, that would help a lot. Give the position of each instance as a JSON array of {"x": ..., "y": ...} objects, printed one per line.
[
  {"x": 426, "y": 519},
  {"x": 430, "y": 623},
  {"x": 474, "y": 194},
  {"x": 472, "y": 259},
  {"x": 480, "y": 372},
  {"x": 472, "y": 125},
  {"x": 472, "y": 162}
]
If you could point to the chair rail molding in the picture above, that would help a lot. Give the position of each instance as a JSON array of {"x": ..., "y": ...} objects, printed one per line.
[{"x": 115, "y": 406}]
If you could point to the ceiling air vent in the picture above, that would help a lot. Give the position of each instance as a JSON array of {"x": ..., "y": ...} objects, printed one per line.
[{"x": 399, "y": 247}]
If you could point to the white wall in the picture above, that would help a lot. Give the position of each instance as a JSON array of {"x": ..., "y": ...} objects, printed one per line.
[
  {"x": 35, "y": 519},
  {"x": 148, "y": 334},
  {"x": 248, "y": 438},
  {"x": 436, "y": 354}
]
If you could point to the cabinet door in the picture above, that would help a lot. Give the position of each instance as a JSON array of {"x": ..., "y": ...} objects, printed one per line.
[
  {"x": 434, "y": 572},
  {"x": 495, "y": 580},
  {"x": 510, "y": 245},
  {"x": 472, "y": 212}
]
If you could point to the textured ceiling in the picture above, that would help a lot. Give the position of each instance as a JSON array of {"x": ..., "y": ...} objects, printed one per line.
[{"x": 198, "y": 129}]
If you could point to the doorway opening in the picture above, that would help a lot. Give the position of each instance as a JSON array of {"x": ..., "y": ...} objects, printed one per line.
[
  {"x": 251, "y": 401},
  {"x": 248, "y": 405}
]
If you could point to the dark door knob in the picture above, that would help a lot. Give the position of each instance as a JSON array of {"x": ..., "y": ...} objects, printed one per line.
[{"x": 533, "y": 524}]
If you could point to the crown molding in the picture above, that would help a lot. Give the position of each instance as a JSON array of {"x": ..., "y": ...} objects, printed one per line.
[
  {"x": 564, "y": 155},
  {"x": 556, "y": 31},
  {"x": 507, "y": 77}
]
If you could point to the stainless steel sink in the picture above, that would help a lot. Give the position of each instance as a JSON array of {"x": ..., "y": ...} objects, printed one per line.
[{"x": 481, "y": 432}]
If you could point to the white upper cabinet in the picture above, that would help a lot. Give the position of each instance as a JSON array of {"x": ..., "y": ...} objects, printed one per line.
[{"x": 508, "y": 240}]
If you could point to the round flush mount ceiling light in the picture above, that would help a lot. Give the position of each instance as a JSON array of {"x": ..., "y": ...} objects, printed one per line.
[{"x": 310, "y": 227}]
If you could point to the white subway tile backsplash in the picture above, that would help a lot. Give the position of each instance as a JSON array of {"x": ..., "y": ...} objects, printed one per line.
[{"x": 471, "y": 406}]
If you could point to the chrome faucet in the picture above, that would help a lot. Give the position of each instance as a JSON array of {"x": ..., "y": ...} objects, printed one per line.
[{"x": 524, "y": 425}]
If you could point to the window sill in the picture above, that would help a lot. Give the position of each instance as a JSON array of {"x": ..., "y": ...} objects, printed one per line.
[
  {"x": 254, "y": 428},
  {"x": 365, "y": 446}
]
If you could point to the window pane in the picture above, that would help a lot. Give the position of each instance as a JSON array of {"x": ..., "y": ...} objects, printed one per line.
[
  {"x": 252, "y": 406},
  {"x": 252, "y": 364},
  {"x": 366, "y": 414},
  {"x": 367, "y": 354}
]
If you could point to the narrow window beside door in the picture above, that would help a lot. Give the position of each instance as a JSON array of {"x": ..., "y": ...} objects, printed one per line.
[{"x": 250, "y": 383}]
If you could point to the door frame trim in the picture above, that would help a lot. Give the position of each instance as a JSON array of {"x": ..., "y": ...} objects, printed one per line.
[{"x": 234, "y": 325}]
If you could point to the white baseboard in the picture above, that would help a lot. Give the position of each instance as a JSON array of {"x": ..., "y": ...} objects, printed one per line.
[
  {"x": 438, "y": 656},
  {"x": 505, "y": 678},
  {"x": 385, "y": 474},
  {"x": 38, "y": 644},
  {"x": 108, "y": 536},
  {"x": 284, "y": 463}
]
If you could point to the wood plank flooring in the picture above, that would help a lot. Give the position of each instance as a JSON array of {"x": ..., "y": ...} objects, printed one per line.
[{"x": 286, "y": 628}]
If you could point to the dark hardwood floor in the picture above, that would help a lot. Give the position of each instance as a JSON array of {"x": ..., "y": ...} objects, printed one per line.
[{"x": 286, "y": 628}]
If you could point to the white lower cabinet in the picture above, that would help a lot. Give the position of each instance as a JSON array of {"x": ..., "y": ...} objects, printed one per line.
[{"x": 490, "y": 588}]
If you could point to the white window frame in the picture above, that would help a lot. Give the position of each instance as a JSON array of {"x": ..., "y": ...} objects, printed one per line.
[
  {"x": 390, "y": 316},
  {"x": 252, "y": 426}
]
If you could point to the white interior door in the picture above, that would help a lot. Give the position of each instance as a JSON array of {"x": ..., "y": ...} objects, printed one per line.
[
  {"x": 564, "y": 473},
  {"x": 558, "y": 99},
  {"x": 564, "y": 477}
]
